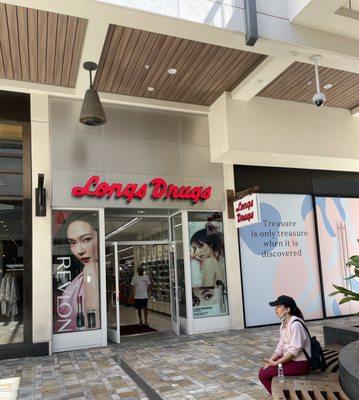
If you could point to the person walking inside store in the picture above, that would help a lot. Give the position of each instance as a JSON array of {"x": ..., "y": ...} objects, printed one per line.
[
  {"x": 292, "y": 341},
  {"x": 141, "y": 284}
]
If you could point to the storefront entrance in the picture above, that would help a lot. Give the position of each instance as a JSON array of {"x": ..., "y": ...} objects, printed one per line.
[
  {"x": 159, "y": 264},
  {"x": 159, "y": 258},
  {"x": 98, "y": 252}
]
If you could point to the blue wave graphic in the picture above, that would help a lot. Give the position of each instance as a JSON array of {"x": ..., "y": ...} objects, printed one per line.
[
  {"x": 335, "y": 308},
  {"x": 337, "y": 202},
  {"x": 320, "y": 201},
  {"x": 307, "y": 206},
  {"x": 355, "y": 285}
]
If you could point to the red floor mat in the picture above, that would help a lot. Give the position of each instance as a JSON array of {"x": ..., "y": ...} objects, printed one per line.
[{"x": 135, "y": 329}]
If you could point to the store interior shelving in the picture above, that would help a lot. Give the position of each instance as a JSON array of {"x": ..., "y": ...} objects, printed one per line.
[{"x": 154, "y": 260}]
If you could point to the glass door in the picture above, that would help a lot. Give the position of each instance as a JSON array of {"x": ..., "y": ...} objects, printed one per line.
[
  {"x": 112, "y": 293},
  {"x": 175, "y": 319},
  {"x": 177, "y": 274}
]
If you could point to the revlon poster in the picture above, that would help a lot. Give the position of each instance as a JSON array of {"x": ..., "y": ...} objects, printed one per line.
[
  {"x": 208, "y": 268},
  {"x": 76, "y": 286}
]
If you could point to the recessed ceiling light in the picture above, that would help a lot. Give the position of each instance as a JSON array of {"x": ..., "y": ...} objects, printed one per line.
[
  {"x": 328, "y": 86},
  {"x": 172, "y": 71},
  {"x": 150, "y": 89}
]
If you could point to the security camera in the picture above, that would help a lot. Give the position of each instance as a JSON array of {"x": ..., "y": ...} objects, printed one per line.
[{"x": 319, "y": 99}]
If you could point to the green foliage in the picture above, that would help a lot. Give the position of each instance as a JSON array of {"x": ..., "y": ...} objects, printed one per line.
[{"x": 349, "y": 295}]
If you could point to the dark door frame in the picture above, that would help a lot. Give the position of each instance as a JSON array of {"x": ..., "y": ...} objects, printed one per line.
[{"x": 25, "y": 347}]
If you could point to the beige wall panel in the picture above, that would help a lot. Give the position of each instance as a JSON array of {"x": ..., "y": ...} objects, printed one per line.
[{"x": 42, "y": 279}]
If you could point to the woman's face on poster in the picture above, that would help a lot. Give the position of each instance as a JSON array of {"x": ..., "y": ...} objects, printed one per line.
[
  {"x": 201, "y": 251},
  {"x": 206, "y": 295},
  {"x": 82, "y": 238}
]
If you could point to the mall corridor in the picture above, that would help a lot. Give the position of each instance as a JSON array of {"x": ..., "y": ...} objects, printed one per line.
[
  {"x": 212, "y": 366},
  {"x": 177, "y": 177}
]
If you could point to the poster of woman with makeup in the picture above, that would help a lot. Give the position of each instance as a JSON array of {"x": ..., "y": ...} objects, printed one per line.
[
  {"x": 76, "y": 286},
  {"x": 208, "y": 268}
]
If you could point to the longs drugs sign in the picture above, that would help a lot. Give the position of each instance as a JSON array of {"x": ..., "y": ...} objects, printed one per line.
[
  {"x": 157, "y": 189},
  {"x": 246, "y": 211}
]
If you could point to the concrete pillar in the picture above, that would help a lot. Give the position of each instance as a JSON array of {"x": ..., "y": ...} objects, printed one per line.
[
  {"x": 232, "y": 258},
  {"x": 41, "y": 226}
]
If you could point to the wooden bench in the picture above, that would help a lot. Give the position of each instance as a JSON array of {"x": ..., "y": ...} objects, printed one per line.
[{"x": 314, "y": 386}]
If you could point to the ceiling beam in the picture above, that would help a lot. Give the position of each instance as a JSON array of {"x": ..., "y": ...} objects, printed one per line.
[
  {"x": 12, "y": 85},
  {"x": 153, "y": 103},
  {"x": 94, "y": 41},
  {"x": 251, "y": 23},
  {"x": 355, "y": 112},
  {"x": 259, "y": 78},
  {"x": 58, "y": 91}
]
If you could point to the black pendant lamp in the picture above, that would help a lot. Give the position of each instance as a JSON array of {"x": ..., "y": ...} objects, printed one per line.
[{"x": 92, "y": 113}]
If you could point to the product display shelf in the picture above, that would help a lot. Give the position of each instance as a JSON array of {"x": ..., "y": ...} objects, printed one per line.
[{"x": 160, "y": 300}]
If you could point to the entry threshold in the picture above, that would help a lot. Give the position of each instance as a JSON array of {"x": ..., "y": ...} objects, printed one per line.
[{"x": 144, "y": 386}]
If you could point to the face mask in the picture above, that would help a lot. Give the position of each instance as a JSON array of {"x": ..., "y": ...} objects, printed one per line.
[{"x": 283, "y": 316}]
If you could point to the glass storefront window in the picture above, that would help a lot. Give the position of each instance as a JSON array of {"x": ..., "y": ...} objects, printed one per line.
[
  {"x": 11, "y": 235},
  {"x": 208, "y": 267},
  {"x": 125, "y": 229},
  {"x": 76, "y": 271}
]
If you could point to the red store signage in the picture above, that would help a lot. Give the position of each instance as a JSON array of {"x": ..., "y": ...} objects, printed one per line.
[
  {"x": 159, "y": 188},
  {"x": 247, "y": 211}
]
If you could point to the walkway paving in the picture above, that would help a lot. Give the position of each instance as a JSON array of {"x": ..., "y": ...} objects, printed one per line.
[{"x": 219, "y": 365}]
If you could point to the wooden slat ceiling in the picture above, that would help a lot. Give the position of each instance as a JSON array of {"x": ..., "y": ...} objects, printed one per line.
[
  {"x": 293, "y": 85},
  {"x": 204, "y": 71},
  {"x": 40, "y": 47}
]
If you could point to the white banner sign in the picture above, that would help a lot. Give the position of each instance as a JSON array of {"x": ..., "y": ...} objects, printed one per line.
[{"x": 246, "y": 211}]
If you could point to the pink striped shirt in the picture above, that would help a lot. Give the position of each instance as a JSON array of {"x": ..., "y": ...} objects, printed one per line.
[{"x": 293, "y": 338}]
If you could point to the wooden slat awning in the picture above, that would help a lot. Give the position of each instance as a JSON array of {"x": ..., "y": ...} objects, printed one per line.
[
  {"x": 40, "y": 47},
  {"x": 205, "y": 71},
  {"x": 292, "y": 84}
]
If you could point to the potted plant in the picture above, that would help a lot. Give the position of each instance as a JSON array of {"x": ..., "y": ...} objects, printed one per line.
[
  {"x": 349, "y": 295},
  {"x": 348, "y": 336},
  {"x": 340, "y": 334}
]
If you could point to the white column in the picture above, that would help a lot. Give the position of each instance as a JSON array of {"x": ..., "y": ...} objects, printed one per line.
[
  {"x": 41, "y": 226},
  {"x": 232, "y": 258},
  {"x": 187, "y": 274}
]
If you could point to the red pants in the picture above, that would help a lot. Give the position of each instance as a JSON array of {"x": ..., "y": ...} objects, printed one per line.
[{"x": 291, "y": 368}]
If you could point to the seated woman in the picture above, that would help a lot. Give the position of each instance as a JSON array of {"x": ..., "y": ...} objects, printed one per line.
[{"x": 293, "y": 339}]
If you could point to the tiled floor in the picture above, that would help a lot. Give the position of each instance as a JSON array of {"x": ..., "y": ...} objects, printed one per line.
[
  {"x": 93, "y": 374},
  {"x": 11, "y": 332},
  {"x": 219, "y": 365}
]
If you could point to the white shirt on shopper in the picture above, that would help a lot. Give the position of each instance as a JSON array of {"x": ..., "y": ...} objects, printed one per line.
[
  {"x": 141, "y": 284},
  {"x": 293, "y": 339}
]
